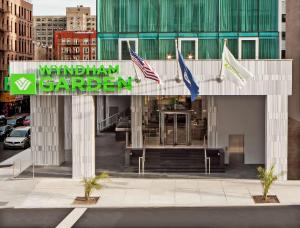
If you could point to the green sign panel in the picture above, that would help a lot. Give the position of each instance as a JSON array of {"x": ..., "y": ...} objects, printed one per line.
[{"x": 70, "y": 79}]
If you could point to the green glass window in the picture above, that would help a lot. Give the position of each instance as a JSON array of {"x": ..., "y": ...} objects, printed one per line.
[
  {"x": 149, "y": 15},
  {"x": 108, "y": 49},
  {"x": 129, "y": 15},
  {"x": 187, "y": 12},
  {"x": 168, "y": 15},
  {"x": 269, "y": 48},
  {"x": 208, "y": 22},
  {"x": 188, "y": 48},
  {"x": 148, "y": 49},
  {"x": 248, "y": 15},
  {"x": 208, "y": 49},
  {"x": 167, "y": 48},
  {"x": 228, "y": 15},
  {"x": 248, "y": 49},
  {"x": 268, "y": 15},
  {"x": 108, "y": 18}
]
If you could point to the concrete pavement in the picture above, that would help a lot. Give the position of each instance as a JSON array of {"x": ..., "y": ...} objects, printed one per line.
[{"x": 132, "y": 192}]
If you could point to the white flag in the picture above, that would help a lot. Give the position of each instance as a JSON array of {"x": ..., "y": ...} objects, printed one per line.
[{"x": 233, "y": 70}]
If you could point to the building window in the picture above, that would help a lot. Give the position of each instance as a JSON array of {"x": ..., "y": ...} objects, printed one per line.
[
  {"x": 188, "y": 47},
  {"x": 283, "y": 19},
  {"x": 248, "y": 48},
  {"x": 123, "y": 48},
  {"x": 85, "y": 41},
  {"x": 86, "y": 50},
  {"x": 85, "y": 57},
  {"x": 69, "y": 41}
]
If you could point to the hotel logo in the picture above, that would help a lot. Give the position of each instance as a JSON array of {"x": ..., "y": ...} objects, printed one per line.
[{"x": 23, "y": 84}]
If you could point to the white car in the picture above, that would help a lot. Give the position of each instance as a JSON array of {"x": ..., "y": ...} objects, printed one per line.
[{"x": 18, "y": 138}]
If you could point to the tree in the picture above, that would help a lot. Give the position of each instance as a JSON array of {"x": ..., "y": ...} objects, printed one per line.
[
  {"x": 267, "y": 178},
  {"x": 91, "y": 184}
]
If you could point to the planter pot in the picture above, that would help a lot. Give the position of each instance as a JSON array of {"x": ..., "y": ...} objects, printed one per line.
[
  {"x": 84, "y": 201},
  {"x": 270, "y": 199}
]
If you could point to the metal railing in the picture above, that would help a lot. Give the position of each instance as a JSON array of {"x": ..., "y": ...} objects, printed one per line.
[
  {"x": 142, "y": 162},
  {"x": 110, "y": 121}
]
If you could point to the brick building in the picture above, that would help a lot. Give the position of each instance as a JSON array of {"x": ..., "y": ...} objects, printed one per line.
[
  {"x": 76, "y": 19},
  {"x": 15, "y": 43},
  {"x": 71, "y": 45}
]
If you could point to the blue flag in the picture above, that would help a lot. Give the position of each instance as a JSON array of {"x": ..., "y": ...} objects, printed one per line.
[{"x": 188, "y": 78}]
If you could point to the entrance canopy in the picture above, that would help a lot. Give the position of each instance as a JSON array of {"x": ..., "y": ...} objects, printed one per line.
[{"x": 271, "y": 77}]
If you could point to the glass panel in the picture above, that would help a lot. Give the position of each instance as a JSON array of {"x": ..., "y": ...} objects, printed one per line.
[
  {"x": 209, "y": 49},
  {"x": 108, "y": 49},
  {"x": 149, "y": 15},
  {"x": 268, "y": 49},
  {"x": 187, "y": 13},
  {"x": 228, "y": 15},
  {"x": 125, "y": 51},
  {"x": 188, "y": 49},
  {"x": 248, "y": 15},
  {"x": 168, "y": 16},
  {"x": 129, "y": 15},
  {"x": 167, "y": 48},
  {"x": 148, "y": 49},
  {"x": 248, "y": 49},
  {"x": 208, "y": 22},
  {"x": 268, "y": 15},
  {"x": 108, "y": 17}
]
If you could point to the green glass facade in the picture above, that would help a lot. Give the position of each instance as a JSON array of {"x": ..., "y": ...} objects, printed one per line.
[{"x": 157, "y": 23}]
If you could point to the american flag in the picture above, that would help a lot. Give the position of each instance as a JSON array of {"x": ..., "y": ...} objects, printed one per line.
[{"x": 144, "y": 66}]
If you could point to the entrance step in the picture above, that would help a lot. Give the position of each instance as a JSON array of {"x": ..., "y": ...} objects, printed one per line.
[{"x": 179, "y": 160}]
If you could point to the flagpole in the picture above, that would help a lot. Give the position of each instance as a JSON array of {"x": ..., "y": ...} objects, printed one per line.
[
  {"x": 137, "y": 79},
  {"x": 177, "y": 79},
  {"x": 220, "y": 79}
]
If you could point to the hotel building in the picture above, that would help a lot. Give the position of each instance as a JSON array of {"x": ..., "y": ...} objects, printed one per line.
[{"x": 157, "y": 129}]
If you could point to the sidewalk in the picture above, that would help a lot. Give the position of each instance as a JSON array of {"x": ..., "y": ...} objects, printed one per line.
[{"x": 124, "y": 192}]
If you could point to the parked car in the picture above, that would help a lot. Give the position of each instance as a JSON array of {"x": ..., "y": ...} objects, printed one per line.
[
  {"x": 16, "y": 121},
  {"x": 3, "y": 120},
  {"x": 18, "y": 138},
  {"x": 4, "y": 132},
  {"x": 26, "y": 121}
]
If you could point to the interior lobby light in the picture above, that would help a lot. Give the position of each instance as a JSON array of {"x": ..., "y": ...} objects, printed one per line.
[
  {"x": 190, "y": 56},
  {"x": 169, "y": 56}
]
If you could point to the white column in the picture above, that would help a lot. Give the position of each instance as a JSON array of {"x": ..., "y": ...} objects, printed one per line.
[
  {"x": 68, "y": 122},
  {"x": 100, "y": 109},
  {"x": 137, "y": 121},
  {"x": 277, "y": 134},
  {"x": 83, "y": 136},
  {"x": 211, "y": 122},
  {"x": 47, "y": 135}
]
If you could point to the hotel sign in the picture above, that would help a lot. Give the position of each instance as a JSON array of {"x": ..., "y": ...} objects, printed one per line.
[{"x": 70, "y": 79}]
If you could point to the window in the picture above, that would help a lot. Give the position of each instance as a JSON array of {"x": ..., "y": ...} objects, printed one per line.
[
  {"x": 85, "y": 41},
  {"x": 86, "y": 50},
  {"x": 188, "y": 47},
  {"x": 283, "y": 19},
  {"x": 248, "y": 48},
  {"x": 123, "y": 48}
]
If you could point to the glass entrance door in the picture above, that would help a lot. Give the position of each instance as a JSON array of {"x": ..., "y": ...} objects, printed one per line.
[{"x": 175, "y": 128}]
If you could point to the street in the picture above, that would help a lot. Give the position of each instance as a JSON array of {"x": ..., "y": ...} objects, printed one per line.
[
  {"x": 267, "y": 216},
  {"x": 7, "y": 153}
]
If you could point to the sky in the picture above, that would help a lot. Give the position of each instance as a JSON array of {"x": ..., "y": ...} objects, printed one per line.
[{"x": 58, "y": 7}]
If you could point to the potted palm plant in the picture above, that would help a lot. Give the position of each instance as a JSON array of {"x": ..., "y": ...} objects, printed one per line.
[
  {"x": 90, "y": 184},
  {"x": 267, "y": 178}
]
